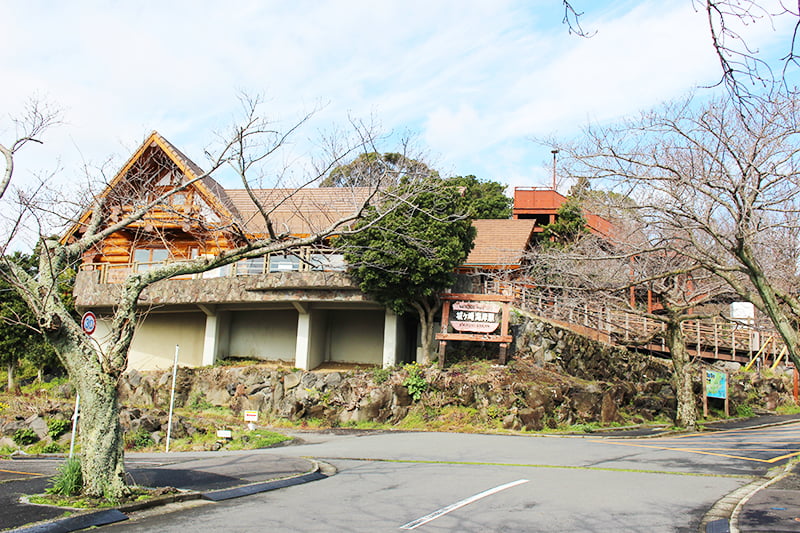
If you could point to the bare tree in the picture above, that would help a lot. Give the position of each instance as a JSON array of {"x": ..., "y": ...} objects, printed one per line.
[
  {"x": 37, "y": 117},
  {"x": 746, "y": 72},
  {"x": 633, "y": 272},
  {"x": 723, "y": 185},
  {"x": 128, "y": 205}
]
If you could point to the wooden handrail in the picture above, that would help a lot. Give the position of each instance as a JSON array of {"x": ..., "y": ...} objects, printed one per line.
[{"x": 710, "y": 337}]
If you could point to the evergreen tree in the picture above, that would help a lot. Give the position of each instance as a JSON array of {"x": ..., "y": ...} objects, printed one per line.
[
  {"x": 569, "y": 226},
  {"x": 406, "y": 258},
  {"x": 483, "y": 198}
]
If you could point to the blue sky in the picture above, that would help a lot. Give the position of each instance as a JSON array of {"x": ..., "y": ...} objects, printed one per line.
[{"x": 474, "y": 81}]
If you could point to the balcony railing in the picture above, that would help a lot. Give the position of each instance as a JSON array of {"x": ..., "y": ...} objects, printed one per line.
[{"x": 310, "y": 261}]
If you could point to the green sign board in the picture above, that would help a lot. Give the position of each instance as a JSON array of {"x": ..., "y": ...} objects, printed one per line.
[{"x": 716, "y": 384}]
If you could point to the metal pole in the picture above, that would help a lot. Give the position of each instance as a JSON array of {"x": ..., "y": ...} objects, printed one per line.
[
  {"x": 74, "y": 424},
  {"x": 554, "y": 152},
  {"x": 172, "y": 396}
]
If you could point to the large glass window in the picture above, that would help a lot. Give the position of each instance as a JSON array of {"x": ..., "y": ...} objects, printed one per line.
[
  {"x": 250, "y": 267},
  {"x": 284, "y": 263},
  {"x": 328, "y": 262}
]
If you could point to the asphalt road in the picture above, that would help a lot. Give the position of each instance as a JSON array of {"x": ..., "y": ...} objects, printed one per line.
[
  {"x": 462, "y": 482},
  {"x": 190, "y": 471}
]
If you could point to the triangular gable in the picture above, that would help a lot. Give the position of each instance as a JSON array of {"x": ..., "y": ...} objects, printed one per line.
[{"x": 211, "y": 192}]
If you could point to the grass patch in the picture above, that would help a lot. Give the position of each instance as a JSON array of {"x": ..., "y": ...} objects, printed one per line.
[
  {"x": 137, "y": 494},
  {"x": 259, "y": 438},
  {"x": 363, "y": 424},
  {"x": 788, "y": 409},
  {"x": 46, "y": 386},
  {"x": 381, "y": 375},
  {"x": 138, "y": 440}
]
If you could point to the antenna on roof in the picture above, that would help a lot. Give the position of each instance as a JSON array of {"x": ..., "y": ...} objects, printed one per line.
[{"x": 554, "y": 152}]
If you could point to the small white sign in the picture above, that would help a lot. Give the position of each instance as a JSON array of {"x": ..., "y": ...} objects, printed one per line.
[
  {"x": 251, "y": 416},
  {"x": 224, "y": 433}
]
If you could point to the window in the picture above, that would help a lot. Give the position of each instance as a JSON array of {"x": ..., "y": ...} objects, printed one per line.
[
  {"x": 145, "y": 258},
  {"x": 326, "y": 262},
  {"x": 249, "y": 267},
  {"x": 284, "y": 263}
]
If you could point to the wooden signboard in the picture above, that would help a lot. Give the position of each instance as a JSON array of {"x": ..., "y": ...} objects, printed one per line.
[{"x": 475, "y": 317}]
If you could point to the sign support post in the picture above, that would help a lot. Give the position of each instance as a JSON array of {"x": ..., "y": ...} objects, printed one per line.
[
  {"x": 75, "y": 416},
  {"x": 475, "y": 319},
  {"x": 172, "y": 396}
]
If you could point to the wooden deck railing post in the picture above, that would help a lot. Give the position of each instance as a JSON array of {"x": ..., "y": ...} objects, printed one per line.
[{"x": 698, "y": 337}]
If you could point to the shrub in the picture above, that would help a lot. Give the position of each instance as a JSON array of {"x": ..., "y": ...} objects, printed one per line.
[
  {"x": 68, "y": 481},
  {"x": 57, "y": 427},
  {"x": 24, "y": 437},
  {"x": 138, "y": 440},
  {"x": 381, "y": 375},
  {"x": 198, "y": 402},
  {"x": 51, "y": 447},
  {"x": 415, "y": 382}
]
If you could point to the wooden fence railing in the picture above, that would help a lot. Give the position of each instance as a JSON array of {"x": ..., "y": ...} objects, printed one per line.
[{"x": 714, "y": 338}]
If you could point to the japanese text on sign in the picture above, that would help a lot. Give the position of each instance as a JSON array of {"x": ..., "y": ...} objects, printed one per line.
[{"x": 479, "y": 317}]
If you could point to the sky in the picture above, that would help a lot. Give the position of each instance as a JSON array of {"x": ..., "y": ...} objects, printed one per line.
[{"x": 477, "y": 84}]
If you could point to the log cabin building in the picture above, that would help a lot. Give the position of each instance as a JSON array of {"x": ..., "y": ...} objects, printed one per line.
[{"x": 301, "y": 309}]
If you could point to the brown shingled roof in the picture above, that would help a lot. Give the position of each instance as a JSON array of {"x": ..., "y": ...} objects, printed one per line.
[
  {"x": 500, "y": 242},
  {"x": 297, "y": 211}
]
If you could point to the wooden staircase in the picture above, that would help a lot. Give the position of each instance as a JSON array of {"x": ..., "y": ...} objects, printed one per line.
[{"x": 711, "y": 339}]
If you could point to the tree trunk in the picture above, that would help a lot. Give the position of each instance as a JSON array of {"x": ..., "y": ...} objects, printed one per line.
[
  {"x": 772, "y": 308},
  {"x": 10, "y": 370},
  {"x": 682, "y": 375},
  {"x": 427, "y": 314},
  {"x": 426, "y": 337},
  {"x": 102, "y": 459}
]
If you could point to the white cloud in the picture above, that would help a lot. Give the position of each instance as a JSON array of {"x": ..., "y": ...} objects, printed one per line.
[{"x": 476, "y": 79}]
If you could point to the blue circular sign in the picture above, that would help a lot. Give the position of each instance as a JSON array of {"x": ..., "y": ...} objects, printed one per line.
[{"x": 89, "y": 322}]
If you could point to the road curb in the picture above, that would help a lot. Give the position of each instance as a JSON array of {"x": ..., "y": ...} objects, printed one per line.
[
  {"x": 86, "y": 519},
  {"x": 724, "y": 515}
]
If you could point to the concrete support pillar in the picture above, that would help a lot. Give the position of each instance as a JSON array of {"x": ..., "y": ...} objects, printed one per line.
[
  {"x": 390, "y": 339},
  {"x": 302, "y": 353},
  {"x": 210, "y": 337}
]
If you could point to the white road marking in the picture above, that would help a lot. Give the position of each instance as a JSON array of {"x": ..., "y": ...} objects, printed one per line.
[{"x": 444, "y": 510}]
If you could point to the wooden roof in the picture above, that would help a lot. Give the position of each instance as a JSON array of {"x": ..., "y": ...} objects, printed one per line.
[
  {"x": 500, "y": 242},
  {"x": 297, "y": 211}
]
